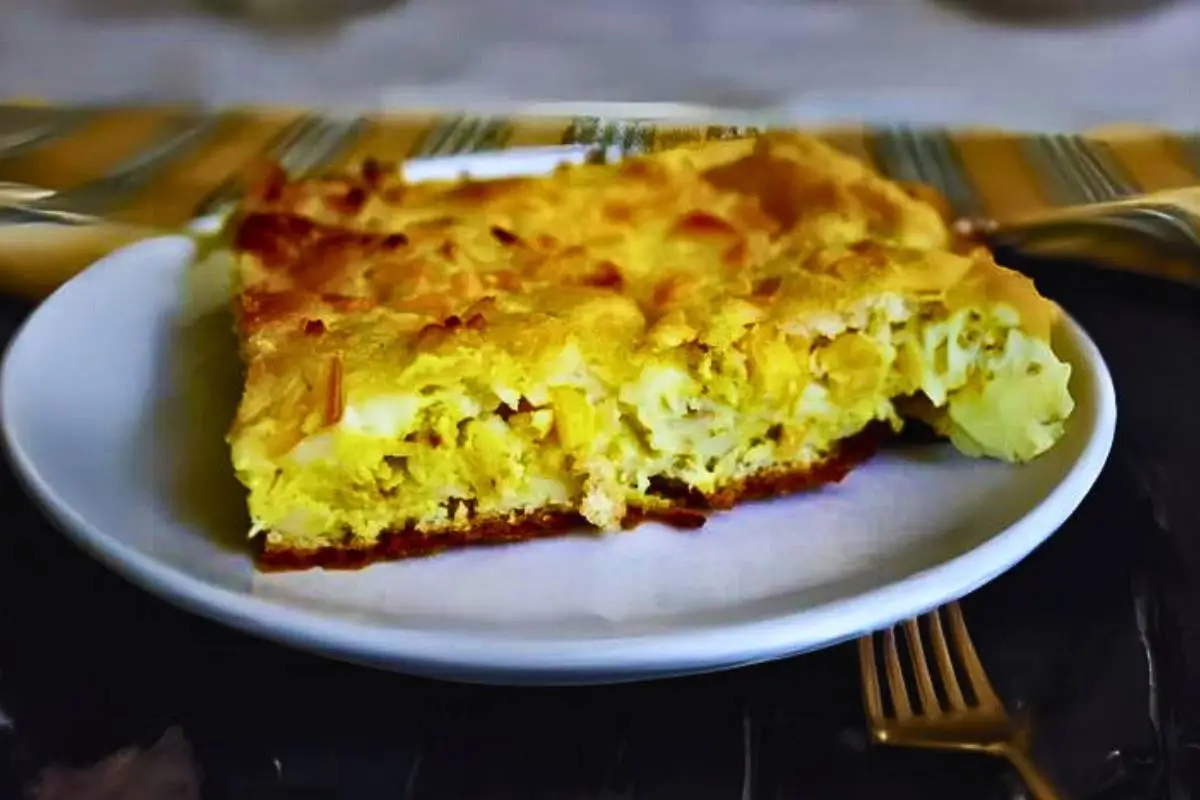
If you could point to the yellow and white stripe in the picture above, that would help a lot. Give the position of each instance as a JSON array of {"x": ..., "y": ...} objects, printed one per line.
[{"x": 159, "y": 167}]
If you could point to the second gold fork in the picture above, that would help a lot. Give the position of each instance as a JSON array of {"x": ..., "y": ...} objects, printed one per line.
[{"x": 965, "y": 715}]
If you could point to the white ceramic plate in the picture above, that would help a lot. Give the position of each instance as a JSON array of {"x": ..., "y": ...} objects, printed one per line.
[
  {"x": 115, "y": 396},
  {"x": 111, "y": 404}
]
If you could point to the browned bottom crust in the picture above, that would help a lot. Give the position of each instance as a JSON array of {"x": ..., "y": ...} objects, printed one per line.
[{"x": 686, "y": 509}]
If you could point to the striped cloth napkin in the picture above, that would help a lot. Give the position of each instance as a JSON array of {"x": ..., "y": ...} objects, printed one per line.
[{"x": 145, "y": 170}]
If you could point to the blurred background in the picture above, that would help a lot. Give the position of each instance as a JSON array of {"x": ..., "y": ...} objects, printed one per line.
[
  {"x": 1106, "y": 659},
  {"x": 1024, "y": 63}
]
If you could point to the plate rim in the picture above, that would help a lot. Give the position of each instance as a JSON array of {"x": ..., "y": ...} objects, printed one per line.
[{"x": 498, "y": 658}]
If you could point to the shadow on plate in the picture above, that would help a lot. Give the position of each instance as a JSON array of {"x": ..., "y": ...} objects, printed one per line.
[{"x": 190, "y": 421}]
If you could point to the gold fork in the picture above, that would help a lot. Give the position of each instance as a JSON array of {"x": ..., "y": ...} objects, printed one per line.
[{"x": 954, "y": 721}]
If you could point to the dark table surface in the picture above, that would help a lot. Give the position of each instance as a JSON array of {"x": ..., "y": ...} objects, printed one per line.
[{"x": 1097, "y": 633}]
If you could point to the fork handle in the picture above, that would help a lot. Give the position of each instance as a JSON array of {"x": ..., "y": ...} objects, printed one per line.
[{"x": 1036, "y": 782}]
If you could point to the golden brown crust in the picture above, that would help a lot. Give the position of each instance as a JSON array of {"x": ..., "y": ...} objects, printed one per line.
[
  {"x": 688, "y": 510},
  {"x": 370, "y": 238}
]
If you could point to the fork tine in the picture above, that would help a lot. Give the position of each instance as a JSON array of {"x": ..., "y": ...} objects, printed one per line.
[
  {"x": 896, "y": 684},
  {"x": 872, "y": 698},
  {"x": 945, "y": 665},
  {"x": 980, "y": 684},
  {"x": 282, "y": 145},
  {"x": 916, "y": 654}
]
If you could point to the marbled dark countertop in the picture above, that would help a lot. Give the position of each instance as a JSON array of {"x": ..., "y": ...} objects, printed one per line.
[{"x": 1098, "y": 632}]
